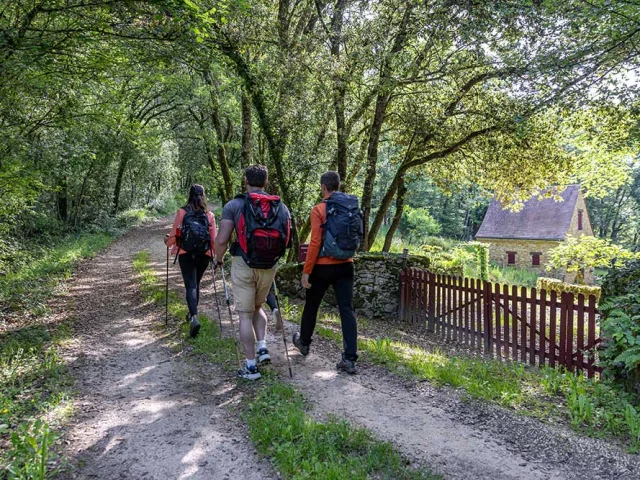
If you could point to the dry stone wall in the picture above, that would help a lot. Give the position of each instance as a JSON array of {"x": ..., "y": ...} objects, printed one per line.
[{"x": 376, "y": 286}]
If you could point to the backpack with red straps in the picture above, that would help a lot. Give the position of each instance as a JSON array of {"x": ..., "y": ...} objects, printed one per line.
[{"x": 264, "y": 230}]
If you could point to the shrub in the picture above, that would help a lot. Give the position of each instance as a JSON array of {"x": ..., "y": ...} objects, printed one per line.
[
  {"x": 620, "y": 325},
  {"x": 620, "y": 355},
  {"x": 559, "y": 286}
]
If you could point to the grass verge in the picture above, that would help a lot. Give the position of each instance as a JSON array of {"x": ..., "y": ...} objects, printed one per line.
[
  {"x": 590, "y": 406},
  {"x": 277, "y": 415}
]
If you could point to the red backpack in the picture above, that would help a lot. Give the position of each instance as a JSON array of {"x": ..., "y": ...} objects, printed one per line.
[{"x": 264, "y": 230}]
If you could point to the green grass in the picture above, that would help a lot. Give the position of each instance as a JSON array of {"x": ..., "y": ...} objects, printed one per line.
[
  {"x": 34, "y": 384},
  {"x": 302, "y": 447},
  {"x": 276, "y": 413},
  {"x": 27, "y": 290},
  {"x": 594, "y": 407}
]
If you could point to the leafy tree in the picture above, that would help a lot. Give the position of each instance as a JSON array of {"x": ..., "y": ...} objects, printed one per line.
[{"x": 578, "y": 254}]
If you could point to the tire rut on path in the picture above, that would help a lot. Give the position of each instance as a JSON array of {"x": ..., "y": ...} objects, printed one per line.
[{"x": 143, "y": 411}]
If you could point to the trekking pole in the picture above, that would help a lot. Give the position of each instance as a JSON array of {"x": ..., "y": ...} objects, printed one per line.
[
  {"x": 166, "y": 291},
  {"x": 215, "y": 294},
  {"x": 233, "y": 330},
  {"x": 284, "y": 335}
]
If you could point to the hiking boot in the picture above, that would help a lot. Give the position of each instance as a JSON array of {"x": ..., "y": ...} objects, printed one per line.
[
  {"x": 277, "y": 317},
  {"x": 249, "y": 373},
  {"x": 346, "y": 365},
  {"x": 262, "y": 356},
  {"x": 194, "y": 326},
  {"x": 297, "y": 342}
]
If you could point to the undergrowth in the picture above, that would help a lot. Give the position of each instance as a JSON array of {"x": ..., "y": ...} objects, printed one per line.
[
  {"x": 594, "y": 407},
  {"x": 277, "y": 417},
  {"x": 34, "y": 385}
]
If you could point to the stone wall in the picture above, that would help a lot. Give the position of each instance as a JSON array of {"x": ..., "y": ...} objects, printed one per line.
[{"x": 376, "y": 287}]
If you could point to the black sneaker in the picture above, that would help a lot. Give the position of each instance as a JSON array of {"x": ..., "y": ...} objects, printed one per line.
[
  {"x": 262, "y": 356},
  {"x": 194, "y": 326},
  {"x": 249, "y": 373},
  {"x": 346, "y": 365},
  {"x": 304, "y": 349}
]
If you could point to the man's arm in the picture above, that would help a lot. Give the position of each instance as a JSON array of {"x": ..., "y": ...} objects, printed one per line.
[
  {"x": 315, "y": 245},
  {"x": 222, "y": 238}
]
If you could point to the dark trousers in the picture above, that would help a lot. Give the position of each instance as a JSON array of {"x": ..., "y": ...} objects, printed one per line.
[
  {"x": 271, "y": 301},
  {"x": 340, "y": 277},
  {"x": 193, "y": 267}
]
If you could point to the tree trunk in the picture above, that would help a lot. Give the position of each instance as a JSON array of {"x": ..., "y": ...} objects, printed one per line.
[
  {"x": 124, "y": 160},
  {"x": 245, "y": 158},
  {"x": 222, "y": 153},
  {"x": 372, "y": 160},
  {"x": 63, "y": 198},
  {"x": 402, "y": 190},
  {"x": 339, "y": 90}
]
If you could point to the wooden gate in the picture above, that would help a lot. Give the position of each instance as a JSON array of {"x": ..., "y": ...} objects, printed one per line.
[{"x": 510, "y": 322}]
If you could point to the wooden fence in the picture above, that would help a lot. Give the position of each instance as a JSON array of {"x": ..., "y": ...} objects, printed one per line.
[{"x": 537, "y": 327}]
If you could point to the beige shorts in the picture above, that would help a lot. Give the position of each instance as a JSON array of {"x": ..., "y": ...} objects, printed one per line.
[{"x": 250, "y": 285}]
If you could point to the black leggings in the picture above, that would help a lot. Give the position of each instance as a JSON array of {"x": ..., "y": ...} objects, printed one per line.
[{"x": 193, "y": 267}]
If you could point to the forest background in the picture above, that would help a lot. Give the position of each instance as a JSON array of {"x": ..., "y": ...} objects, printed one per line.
[{"x": 110, "y": 109}]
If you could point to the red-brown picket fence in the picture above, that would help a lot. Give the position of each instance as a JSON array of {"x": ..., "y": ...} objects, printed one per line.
[{"x": 538, "y": 327}]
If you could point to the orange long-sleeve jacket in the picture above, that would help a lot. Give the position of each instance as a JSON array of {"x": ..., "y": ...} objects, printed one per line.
[{"x": 319, "y": 218}]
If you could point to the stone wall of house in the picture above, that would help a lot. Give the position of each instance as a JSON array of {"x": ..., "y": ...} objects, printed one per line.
[
  {"x": 586, "y": 221},
  {"x": 376, "y": 286},
  {"x": 498, "y": 249},
  {"x": 524, "y": 249}
]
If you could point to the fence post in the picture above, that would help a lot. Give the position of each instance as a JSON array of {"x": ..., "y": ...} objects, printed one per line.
[
  {"x": 488, "y": 318},
  {"x": 431, "y": 303},
  {"x": 403, "y": 286}
]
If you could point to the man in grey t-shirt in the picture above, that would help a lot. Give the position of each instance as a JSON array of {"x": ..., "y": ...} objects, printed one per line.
[{"x": 250, "y": 285}]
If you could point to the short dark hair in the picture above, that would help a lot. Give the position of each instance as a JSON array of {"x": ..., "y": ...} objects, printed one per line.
[
  {"x": 256, "y": 175},
  {"x": 331, "y": 180}
]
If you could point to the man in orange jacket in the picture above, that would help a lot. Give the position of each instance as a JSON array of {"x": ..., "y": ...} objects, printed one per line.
[{"x": 320, "y": 272}]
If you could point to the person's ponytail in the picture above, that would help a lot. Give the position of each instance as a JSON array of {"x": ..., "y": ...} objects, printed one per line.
[{"x": 197, "y": 199}]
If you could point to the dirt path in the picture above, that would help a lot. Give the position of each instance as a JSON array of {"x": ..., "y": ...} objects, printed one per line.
[
  {"x": 439, "y": 430},
  {"x": 143, "y": 411}
]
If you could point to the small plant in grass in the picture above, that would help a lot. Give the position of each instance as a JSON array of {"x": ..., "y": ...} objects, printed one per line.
[
  {"x": 632, "y": 417},
  {"x": 31, "y": 456}
]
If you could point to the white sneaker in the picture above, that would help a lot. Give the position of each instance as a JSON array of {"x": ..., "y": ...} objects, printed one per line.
[
  {"x": 262, "y": 356},
  {"x": 249, "y": 373}
]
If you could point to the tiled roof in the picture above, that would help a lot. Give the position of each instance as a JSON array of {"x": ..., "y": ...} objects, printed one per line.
[{"x": 545, "y": 219}]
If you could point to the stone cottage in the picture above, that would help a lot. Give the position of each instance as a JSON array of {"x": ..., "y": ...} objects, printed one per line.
[{"x": 523, "y": 239}]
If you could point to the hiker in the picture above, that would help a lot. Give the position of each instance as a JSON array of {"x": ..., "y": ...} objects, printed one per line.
[
  {"x": 262, "y": 224},
  {"x": 336, "y": 229},
  {"x": 192, "y": 240}
]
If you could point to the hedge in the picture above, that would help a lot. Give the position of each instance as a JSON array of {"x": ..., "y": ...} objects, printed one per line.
[{"x": 559, "y": 286}]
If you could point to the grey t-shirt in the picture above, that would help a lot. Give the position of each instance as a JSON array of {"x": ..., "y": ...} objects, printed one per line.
[{"x": 234, "y": 208}]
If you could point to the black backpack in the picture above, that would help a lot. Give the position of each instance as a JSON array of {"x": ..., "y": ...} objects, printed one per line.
[
  {"x": 264, "y": 230},
  {"x": 194, "y": 233},
  {"x": 344, "y": 228}
]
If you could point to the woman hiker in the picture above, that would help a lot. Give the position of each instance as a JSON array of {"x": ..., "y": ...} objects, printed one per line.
[{"x": 191, "y": 238}]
